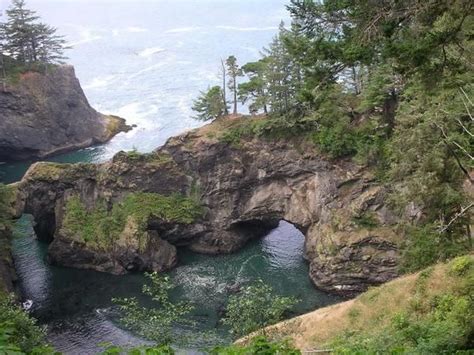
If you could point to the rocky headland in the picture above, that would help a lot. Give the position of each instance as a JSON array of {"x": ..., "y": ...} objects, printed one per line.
[
  {"x": 43, "y": 114},
  {"x": 201, "y": 192}
]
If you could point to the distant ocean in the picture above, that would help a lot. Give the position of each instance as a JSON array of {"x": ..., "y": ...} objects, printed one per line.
[{"x": 146, "y": 60}]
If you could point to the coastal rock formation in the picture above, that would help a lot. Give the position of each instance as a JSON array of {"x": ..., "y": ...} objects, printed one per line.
[
  {"x": 46, "y": 114},
  {"x": 242, "y": 190}
]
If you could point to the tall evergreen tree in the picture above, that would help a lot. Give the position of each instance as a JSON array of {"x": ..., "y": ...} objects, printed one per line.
[
  {"x": 282, "y": 74},
  {"x": 234, "y": 71},
  {"x": 256, "y": 89},
  {"x": 29, "y": 41}
]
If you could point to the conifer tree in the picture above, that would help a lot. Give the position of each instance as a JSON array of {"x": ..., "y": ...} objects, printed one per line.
[
  {"x": 256, "y": 89},
  {"x": 209, "y": 104},
  {"x": 234, "y": 71},
  {"x": 29, "y": 41}
]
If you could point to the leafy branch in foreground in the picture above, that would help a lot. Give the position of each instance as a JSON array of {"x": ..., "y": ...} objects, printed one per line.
[
  {"x": 155, "y": 323},
  {"x": 254, "y": 308}
]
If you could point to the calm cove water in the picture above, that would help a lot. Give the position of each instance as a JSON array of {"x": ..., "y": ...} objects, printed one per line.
[{"x": 145, "y": 61}]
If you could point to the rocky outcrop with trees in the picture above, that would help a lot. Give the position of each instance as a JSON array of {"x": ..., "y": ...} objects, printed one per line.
[
  {"x": 43, "y": 110},
  {"x": 47, "y": 113},
  {"x": 201, "y": 192}
]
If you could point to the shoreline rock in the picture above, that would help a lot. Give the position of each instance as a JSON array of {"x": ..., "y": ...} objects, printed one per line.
[
  {"x": 245, "y": 190},
  {"x": 48, "y": 114}
]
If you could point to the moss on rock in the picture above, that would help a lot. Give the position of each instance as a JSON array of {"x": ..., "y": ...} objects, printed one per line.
[{"x": 102, "y": 227}]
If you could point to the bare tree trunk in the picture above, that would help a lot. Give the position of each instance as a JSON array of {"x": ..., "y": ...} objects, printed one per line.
[
  {"x": 235, "y": 94},
  {"x": 224, "y": 86}
]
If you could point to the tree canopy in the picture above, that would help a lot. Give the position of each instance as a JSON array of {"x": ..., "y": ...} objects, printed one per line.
[{"x": 28, "y": 40}]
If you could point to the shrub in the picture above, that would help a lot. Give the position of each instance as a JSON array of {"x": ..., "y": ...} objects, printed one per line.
[
  {"x": 258, "y": 346},
  {"x": 338, "y": 140},
  {"x": 19, "y": 333},
  {"x": 425, "y": 246},
  {"x": 155, "y": 323},
  {"x": 254, "y": 308}
]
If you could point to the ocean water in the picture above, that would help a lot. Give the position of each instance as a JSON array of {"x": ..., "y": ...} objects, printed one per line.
[{"x": 146, "y": 60}]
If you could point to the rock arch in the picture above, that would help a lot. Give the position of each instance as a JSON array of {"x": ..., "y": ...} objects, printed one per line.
[{"x": 245, "y": 191}]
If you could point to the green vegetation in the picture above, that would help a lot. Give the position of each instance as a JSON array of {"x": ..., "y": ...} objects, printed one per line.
[
  {"x": 366, "y": 220},
  {"x": 209, "y": 104},
  {"x": 155, "y": 323},
  {"x": 388, "y": 85},
  {"x": 254, "y": 308},
  {"x": 101, "y": 226},
  {"x": 27, "y": 40},
  {"x": 19, "y": 333},
  {"x": 5, "y": 195},
  {"x": 432, "y": 322},
  {"x": 257, "y": 346}
]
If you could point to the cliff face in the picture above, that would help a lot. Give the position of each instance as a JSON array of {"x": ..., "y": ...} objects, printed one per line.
[
  {"x": 45, "y": 114},
  {"x": 244, "y": 192}
]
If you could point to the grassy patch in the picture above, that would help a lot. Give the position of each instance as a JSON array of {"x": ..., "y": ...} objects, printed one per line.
[
  {"x": 429, "y": 312},
  {"x": 101, "y": 226},
  {"x": 366, "y": 220}
]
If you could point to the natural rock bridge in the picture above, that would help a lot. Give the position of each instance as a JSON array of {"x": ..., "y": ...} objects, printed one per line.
[{"x": 244, "y": 192}]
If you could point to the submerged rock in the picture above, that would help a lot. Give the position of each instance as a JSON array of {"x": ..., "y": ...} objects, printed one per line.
[
  {"x": 244, "y": 191},
  {"x": 46, "y": 114}
]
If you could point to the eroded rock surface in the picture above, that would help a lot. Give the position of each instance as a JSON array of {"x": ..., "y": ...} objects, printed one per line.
[
  {"x": 244, "y": 191},
  {"x": 46, "y": 114}
]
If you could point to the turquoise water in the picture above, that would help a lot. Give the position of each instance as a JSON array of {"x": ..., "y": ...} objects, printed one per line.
[
  {"x": 145, "y": 61},
  {"x": 76, "y": 304}
]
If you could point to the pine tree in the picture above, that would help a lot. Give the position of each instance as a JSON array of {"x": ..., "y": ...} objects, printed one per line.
[
  {"x": 256, "y": 89},
  {"x": 29, "y": 41},
  {"x": 280, "y": 74},
  {"x": 209, "y": 104},
  {"x": 234, "y": 71}
]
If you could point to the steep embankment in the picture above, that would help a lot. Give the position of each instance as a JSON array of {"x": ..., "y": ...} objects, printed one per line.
[
  {"x": 430, "y": 312},
  {"x": 45, "y": 114},
  {"x": 212, "y": 197}
]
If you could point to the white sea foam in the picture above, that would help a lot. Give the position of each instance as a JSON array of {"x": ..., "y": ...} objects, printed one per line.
[
  {"x": 183, "y": 29},
  {"x": 146, "y": 70},
  {"x": 135, "y": 29},
  {"x": 247, "y": 29},
  {"x": 86, "y": 35},
  {"x": 129, "y": 29},
  {"x": 149, "y": 52},
  {"x": 100, "y": 82}
]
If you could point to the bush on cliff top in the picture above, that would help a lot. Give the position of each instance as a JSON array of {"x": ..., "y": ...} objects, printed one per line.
[{"x": 101, "y": 226}]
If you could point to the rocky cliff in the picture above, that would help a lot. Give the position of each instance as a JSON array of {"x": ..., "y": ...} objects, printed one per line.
[
  {"x": 200, "y": 192},
  {"x": 45, "y": 114}
]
